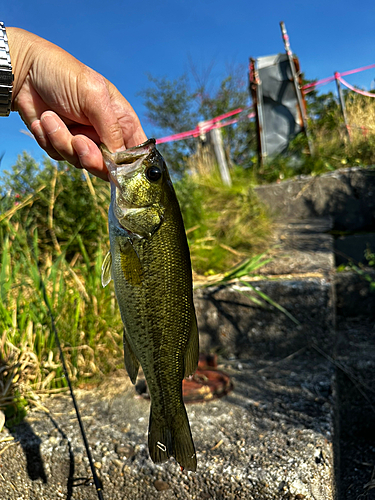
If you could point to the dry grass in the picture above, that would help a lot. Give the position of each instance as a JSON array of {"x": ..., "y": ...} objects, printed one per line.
[
  {"x": 360, "y": 112},
  {"x": 231, "y": 223},
  {"x": 331, "y": 141}
]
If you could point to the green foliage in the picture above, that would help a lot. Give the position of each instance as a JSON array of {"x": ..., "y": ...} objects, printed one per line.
[
  {"x": 171, "y": 107},
  {"x": 60, "y": 204},
  {"x": 370, "y": 257},
  {"x": 224, "y": 224},
  {"x": 61, "y": 239},
  {"x": 190, "y": 199},
  {"x": 170, "y": 104},
  {"x": 360, "y": 269},
  {"x": 15, "y": 411}
]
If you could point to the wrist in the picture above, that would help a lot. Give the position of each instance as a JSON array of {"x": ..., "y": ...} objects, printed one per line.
[{"x": 20, "y": 49}]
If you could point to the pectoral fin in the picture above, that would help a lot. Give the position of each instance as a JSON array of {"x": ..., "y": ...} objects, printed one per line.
[
  {"x": 192, "y": 351},
  {"x": 131, "y": 361},
  {"x": 131, "y": 265},
  {"x": 107, "y": 269}
]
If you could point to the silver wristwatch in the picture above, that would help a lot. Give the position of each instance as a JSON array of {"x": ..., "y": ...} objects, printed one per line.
[{"x": 6, "y": 75}]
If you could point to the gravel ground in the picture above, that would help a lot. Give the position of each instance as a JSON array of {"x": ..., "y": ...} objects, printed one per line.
[{"x": 269, "y": 438}]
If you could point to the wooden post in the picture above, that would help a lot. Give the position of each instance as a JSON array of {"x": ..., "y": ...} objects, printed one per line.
[
  {"x": 217, "y": 141},
  {"x": 342, "y": 103},
  {"x": 296, "y": 84}
]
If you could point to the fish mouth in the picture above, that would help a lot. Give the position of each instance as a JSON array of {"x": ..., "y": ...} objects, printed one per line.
[
  {"x": 123, "y": 165},
  {"x": 126, "y": 163}
]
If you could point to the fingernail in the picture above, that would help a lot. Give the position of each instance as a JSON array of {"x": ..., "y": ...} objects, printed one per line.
[
  {"x": 50, "y": 124},
  {"x": 80, "y": 147},
  {"x": 37, "y": 130}
]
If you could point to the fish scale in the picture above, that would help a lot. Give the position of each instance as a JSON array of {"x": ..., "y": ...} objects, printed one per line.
[{"x": 149, "y": 263}]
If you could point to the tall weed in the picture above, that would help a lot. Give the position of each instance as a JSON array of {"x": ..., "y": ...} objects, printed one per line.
[{"x": 224, "y": 224}]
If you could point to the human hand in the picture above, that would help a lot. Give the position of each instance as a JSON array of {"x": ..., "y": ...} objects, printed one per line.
[{"x": 69, "y": 107}]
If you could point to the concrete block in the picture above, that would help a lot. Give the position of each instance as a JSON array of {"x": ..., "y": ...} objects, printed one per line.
[
  {"x": 346, "y": 195},
  {"x": 232, "y": 324}
]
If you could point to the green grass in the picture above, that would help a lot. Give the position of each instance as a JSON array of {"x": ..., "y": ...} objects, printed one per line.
[
  {"x": 224, "y": 224},
  {"x": 86, "y": 315},
  {"x": 53, "y": 227}
]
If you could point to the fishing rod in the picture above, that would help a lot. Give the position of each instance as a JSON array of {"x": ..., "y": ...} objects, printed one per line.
[{"x": 97, "y": 482}]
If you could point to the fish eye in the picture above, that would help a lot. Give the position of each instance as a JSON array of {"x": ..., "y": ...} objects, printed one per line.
[{"x": 153, "y": 174}]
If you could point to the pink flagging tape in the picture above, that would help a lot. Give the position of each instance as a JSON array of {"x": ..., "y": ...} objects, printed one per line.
[
  {"x": 319, "y": 82},
  {"x": 230, "y": 122},
  {"x": 350, "y": 72},
  {"x": 178, "y": 137},
  {"x": 222, "y": 117},
  {"x": 204, "y": 127},
  {"x": 331, "y": 78},
  {"x": 362, "y": 92}
]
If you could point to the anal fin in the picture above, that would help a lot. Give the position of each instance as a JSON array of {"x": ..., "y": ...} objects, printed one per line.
[
  {"x": 192, "y": 350},
  {"x": 131, "y": 361}
]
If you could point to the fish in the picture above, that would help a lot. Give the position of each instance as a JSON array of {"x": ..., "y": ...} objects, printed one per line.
[{"x": 149, "y": 263}]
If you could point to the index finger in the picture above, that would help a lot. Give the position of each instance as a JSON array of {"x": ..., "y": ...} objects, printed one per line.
[
  {"x": 109, "y": 113},
  {"x": 132, "y": 130}
]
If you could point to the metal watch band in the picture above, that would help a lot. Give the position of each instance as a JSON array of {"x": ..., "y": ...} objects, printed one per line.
[{"x": 6, "y": 75}]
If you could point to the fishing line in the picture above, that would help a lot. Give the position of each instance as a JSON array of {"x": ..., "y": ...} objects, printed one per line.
[{"x": 97, "y": 482}]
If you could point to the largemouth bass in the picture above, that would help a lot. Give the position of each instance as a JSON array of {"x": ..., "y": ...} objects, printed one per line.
[{"x": 149, "y": 262}]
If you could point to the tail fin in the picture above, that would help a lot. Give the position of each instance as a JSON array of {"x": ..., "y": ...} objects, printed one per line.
[{"x": 172, "y": 438}]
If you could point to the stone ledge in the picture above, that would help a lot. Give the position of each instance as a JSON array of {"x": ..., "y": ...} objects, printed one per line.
[{"x": 346, "y": 195}]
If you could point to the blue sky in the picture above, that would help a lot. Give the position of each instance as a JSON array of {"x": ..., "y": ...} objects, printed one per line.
[{"x": 126, "y": 40}]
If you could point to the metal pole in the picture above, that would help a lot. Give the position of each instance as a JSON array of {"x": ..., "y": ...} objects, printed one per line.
[
  {"x": 258, "y": 101},
  {"x": 296, "y": 84},
  {"x": 342, "y": 103}
]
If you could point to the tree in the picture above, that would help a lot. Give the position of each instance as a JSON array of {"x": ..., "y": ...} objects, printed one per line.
[
  {"x": 321, "y": 108},
  {"x": 175, "y": 106},
  {"x": 171, "y": 108}
]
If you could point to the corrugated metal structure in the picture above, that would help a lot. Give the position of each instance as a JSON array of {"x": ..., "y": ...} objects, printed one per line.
[{"x": 274, "y": 94}]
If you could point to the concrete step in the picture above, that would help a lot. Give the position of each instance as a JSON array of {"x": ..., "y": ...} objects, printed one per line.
[
  {"x": 301, "y": 246},
  {"x": 346, "y": 199}
]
